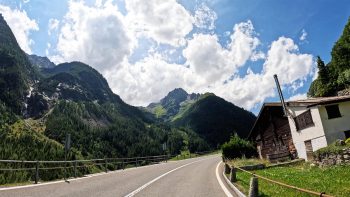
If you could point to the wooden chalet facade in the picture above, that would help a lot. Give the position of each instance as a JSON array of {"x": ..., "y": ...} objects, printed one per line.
[{"x": 272, "y": 135}]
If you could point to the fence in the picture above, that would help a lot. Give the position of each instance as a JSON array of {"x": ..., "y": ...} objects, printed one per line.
[
  {"x": 77, "y": 168},
  {"x": 254, "y": 190}
]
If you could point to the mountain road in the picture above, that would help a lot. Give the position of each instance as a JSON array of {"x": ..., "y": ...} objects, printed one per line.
[{"x": 190, "y": 177}]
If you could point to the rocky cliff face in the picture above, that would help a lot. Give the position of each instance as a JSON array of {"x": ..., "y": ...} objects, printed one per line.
[{"x": 40, "y": 62}]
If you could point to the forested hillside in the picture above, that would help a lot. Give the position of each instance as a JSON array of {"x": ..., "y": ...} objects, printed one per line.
[
  {"x": 334, "y": 76},
  {"x": 215, "y": 119},
  {"x": 16, "y": 72}
]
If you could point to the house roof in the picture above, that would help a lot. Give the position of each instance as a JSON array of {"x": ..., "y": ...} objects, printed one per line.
[
  {"x": 302, "y": 103},
  {"x": 262, "y": 110},
  {"x": 318, "y": 101}
]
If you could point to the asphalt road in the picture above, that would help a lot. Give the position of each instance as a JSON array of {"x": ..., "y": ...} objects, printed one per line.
[{"x": 191, "y": 177}]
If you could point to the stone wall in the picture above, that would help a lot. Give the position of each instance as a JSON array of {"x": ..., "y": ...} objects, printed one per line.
[
  {"x": 343, "y": 157},
  {"x": 344, "y": 92}
]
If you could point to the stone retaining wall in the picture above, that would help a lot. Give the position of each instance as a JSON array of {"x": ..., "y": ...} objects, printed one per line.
[
  {"x": 344, "y": 92},
  {"x": 333, "y": 158}
]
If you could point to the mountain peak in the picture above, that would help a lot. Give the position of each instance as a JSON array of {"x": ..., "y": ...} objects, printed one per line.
[
  {"x": 177, "y": 94},
  {"x": 41, "y": 62}
]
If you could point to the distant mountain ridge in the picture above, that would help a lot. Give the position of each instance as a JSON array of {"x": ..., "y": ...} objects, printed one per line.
[
  {"x": 171, "y": 104},
  {"x": 208, "y": 115}
]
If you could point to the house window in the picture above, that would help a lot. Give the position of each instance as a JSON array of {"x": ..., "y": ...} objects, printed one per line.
[
  {"x": 333, "y": 111},
  {"x": 304, "y": 120}
]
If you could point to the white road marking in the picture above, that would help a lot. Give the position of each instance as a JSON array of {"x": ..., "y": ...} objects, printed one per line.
[
  {"x": 159, "y": 177},
  {"x": 223, "y": 187}
]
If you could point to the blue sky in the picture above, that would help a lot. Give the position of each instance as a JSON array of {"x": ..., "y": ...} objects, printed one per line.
[{"x": 147, "y": 48}]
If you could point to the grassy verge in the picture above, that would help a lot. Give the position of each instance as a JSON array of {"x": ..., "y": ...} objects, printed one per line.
[
  {"x": 333, "y": 180},
  {"x": 247, "y": 162}
]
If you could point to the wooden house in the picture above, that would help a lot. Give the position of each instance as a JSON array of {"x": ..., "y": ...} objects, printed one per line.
[{"x": 272, "y": 135}]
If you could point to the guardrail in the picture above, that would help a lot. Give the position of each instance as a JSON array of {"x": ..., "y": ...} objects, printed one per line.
[
  {"x": 254, "y": 190},
  {"x": 76, "y": 168}
]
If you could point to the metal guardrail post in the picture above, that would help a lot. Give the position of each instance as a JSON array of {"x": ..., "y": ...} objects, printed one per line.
[
  {"x": 137, "y": 163},
  {"x": 75, "y": 169},
  {"x": 106, "y": 163},
  {"x": 36, "y": 178},
  {"x": 227, "y": 169},
  {"x": 254, "y": 188},
  {"x": 233, "y": 177},
  {"x": 123, "y": 164}
]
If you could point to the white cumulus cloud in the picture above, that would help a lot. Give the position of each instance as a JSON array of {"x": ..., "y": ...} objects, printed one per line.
[
  {"x": 205, "y": 17},
  {"x": 21, "y": 26},
  {"x": 166, "y": 22},
  {"x": 95, "y": 35},
  {"x": 283, "y": 59},
  {"x": 299, "y": 96},
  {"x": 148, "y": 80},
  {"x": 53, "y": 25},
  {"x": 303, "y": 35},
  {"x": 216, "y": 63}
]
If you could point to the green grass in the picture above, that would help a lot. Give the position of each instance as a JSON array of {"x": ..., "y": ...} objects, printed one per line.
[
  {"x": 247, "y": 162},
  {"x": 333, "y": 180},
  {"x": 159, "y": 111}
]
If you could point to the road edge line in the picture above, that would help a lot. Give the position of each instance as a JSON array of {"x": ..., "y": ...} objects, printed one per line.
[{"x": 222, "y": 185}]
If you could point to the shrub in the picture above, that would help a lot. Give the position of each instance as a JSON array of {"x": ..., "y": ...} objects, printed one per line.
[
  {"x": 237, "y": 148},
  {"x": 331, "y": 149},
  {"x": 347, "y": 141}
]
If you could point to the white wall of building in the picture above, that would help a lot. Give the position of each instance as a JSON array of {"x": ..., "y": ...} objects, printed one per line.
[
  {"x": 314, "y": 133},
  {"x": 324, "y": 132},
  {"x": 318, "y": 143},
  {"x": 334, "y": 128}
]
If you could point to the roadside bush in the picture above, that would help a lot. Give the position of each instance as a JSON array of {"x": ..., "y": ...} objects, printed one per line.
[{"x": 237, "y": 148}]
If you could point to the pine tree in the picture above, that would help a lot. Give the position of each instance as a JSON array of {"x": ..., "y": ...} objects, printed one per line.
[
  {"x": 341, "y": 51},
  {"x": 323, "y": 73}
]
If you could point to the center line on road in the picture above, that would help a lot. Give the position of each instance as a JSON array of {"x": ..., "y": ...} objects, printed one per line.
[
  {"x": 228, "y": 194},
  {"x": 159, "y": 177}
]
